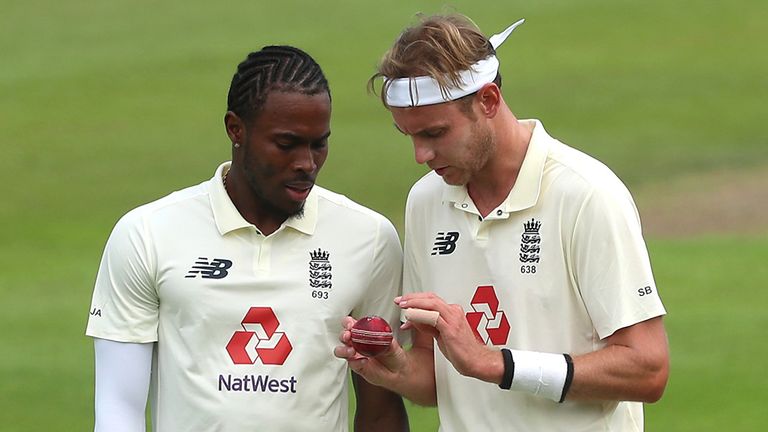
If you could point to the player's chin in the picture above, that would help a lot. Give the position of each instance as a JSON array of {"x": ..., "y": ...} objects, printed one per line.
[
  {"x": 454, "y": 178},
  {"x": 292, "y": 207}
]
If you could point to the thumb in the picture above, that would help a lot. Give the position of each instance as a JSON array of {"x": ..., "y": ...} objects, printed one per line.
[{"x": 394, "y": 358}]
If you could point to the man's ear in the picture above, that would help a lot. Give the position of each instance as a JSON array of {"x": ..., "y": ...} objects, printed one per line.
[
  {"x": 235, "y": 127},
  {"x": 489, "y": 99}
]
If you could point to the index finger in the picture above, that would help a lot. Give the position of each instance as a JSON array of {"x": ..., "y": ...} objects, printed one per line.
[
  {"x": 347, "y": 322},
  {"x": 422, "y": 316},
  {"x": 430, "y": 303}
]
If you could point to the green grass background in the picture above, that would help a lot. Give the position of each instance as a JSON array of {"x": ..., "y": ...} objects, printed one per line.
[{"x": 108, "y": 105}]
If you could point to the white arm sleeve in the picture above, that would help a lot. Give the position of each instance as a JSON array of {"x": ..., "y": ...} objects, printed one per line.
[{"x": 122, "y": 385}]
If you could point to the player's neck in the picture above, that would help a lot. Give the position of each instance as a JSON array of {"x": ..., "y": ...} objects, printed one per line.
[{"x": 491, "y": 186}]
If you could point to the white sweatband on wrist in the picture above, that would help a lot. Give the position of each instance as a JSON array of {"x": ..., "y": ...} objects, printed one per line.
[
  {"x": 425, "y": 90},
  {"x": 542, "y": 374}
]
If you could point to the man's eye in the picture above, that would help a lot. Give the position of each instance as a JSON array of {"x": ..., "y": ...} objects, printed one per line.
[{"x": 434, "y": 134}]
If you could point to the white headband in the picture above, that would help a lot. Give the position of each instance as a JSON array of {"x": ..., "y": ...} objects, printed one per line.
[{"x": 424, "y": 90}]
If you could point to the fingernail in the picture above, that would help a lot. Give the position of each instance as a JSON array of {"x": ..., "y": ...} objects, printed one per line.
[
  {"x": 398, "y": 298},
  {"x": 402, "y": 303}
]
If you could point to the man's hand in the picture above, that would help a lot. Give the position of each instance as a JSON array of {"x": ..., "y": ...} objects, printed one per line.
[
  {"x": 455, "y": 339},
  {"x": 409, "y": 373},
  {"x": 382, "y": 370}
]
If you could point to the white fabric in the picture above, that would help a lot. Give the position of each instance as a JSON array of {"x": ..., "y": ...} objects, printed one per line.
[
  {"x": 541, "y": 374},
  {"x": 425, "y": 90},
  {"x": 587, "y": 264},
  {"x": 122, "y": 385},
  {"x": 150, "y": 287},
  {"x": 499, "y": 38}
]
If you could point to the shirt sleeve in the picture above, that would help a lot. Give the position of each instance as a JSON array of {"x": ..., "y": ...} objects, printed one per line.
[
  {"x": 611, "y": 264},
  {"x": 122, "y": 382},
  {"x": 386, "y": 277},
  {"x": 124, "y": 307},
  {"x": 411, "y": 280}
]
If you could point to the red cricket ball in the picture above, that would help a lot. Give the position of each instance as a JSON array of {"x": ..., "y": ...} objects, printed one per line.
[{"x": 371, "y": 336}]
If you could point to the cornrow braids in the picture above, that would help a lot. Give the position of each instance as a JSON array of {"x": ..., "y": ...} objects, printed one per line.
[{"x": 283, "y": 68}]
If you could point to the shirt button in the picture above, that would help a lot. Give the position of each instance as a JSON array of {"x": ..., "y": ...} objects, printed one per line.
[
  {"x": 464, "y": 205},
  {"x": 498, "y": 212}
]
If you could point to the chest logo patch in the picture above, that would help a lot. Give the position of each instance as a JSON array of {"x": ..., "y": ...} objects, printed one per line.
[
  {"x": 445, "y": 243},
  {"x": 214, "y": 269},
  {"x": 488, "y": 322},
  {"x": 320, "y": 269},
  {"x": 530, "y": 242},
  {"x": 259, "y": 339}
]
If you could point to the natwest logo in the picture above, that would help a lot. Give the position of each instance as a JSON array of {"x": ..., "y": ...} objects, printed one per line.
[
  {"x": 259, "y": 339},
  {"x": 487, "y": 321}
]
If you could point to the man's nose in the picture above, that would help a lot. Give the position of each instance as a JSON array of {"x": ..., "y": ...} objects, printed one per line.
[
  {"x": 422, "y": 152},
  {"x": 304, "y": 160}
]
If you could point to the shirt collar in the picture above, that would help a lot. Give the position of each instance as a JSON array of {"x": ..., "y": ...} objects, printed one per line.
[
  {"x": 228, "y": 218},
  {"x": 525, "y": 192}
]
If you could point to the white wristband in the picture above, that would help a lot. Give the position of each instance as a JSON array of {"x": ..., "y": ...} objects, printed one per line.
[{"x": 542, "y": 374}]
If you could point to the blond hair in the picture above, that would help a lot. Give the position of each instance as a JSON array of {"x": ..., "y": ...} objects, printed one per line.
[{"x": 438, "y": 46}]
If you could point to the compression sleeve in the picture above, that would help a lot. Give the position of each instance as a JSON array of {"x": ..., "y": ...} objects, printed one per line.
[{"x": 122, "y": 384}]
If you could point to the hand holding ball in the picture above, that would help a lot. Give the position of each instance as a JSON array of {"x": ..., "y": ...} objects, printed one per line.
[{"x": 371, "y": 336}]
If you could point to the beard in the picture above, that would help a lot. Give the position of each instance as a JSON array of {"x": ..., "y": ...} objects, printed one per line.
[
  {"x": 255, "y": 184},
  {"x": 479, "y": 150},
  {"x": 259, "y": 176},
  {"x": 482, "y": 147}
]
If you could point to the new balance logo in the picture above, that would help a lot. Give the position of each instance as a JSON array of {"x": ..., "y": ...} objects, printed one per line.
[
  {"x": 215, "y": 269},
  {"x": 445, "y": 243}
]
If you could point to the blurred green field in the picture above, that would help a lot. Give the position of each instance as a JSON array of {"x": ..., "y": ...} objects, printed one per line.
[{"x": 108, "y": 105}]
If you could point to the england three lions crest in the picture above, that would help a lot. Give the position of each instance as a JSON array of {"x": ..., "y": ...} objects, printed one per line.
[
  {"x": 530, "y": 243},
  {"x": 320, "y": 270}
]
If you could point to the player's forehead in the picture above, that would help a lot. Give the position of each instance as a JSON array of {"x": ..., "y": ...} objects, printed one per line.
[
  {"x": 413, "y": 120},
  {"x": 295, "y": 112},
  {"x": 287, "y": 101}
]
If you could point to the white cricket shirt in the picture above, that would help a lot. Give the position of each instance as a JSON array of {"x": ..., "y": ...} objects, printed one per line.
[
  {"x": 558, "y": 266},
  {"x": 245, "y": 324}
]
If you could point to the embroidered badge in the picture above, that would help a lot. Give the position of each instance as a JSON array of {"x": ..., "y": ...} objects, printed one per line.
[
  {"x": 530, "y": 246},
  {"x": 320, "y": 273}
]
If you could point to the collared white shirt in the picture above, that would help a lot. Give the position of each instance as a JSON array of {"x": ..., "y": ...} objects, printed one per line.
[
  {"x": 245, "y": 324},
  {"x": 558, "y": 266}
]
